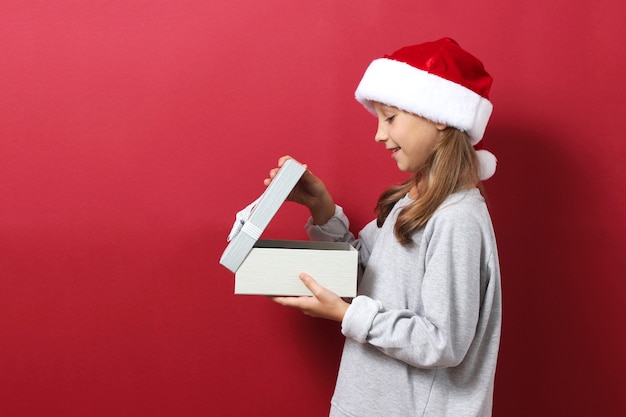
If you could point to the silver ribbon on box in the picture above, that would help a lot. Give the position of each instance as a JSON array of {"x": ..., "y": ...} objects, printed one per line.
[{"x": 242, "y": 224}]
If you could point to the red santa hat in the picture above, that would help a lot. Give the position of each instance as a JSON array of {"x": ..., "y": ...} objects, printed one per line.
[{"x": 438, "y": 81}]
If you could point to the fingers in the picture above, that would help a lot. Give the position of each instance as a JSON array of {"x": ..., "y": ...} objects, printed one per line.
[
  {"x": 272, "y": 174},
  {"x": 316, "y": 289},
  {"x": 274, "y": 171},
  {"x": 282, "y": 160},
  {"x": 303, "y": 302},
  {"x": 324, "y": 303},
  {"x": 306, "y": 304},
  {"x": 286, "y": 301}
]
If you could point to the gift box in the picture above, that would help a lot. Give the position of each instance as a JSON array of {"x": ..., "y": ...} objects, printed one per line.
[{"x": 271, "y": 267}]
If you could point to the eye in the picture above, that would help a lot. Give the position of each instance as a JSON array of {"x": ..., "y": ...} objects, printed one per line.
[{"x": 390, "y": 118}]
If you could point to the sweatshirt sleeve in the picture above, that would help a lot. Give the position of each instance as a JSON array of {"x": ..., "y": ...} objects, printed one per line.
[
  {"x": 440, "y": 332},
  {"x": 337, "y": 229}
]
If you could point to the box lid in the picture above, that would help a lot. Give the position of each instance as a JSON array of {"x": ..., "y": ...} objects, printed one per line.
[{"x": 253, "y": 220}]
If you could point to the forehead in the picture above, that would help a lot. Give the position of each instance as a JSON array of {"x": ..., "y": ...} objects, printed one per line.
[
  {"x": 387, "y": 110},
  {"x": 384, "y": 107}
]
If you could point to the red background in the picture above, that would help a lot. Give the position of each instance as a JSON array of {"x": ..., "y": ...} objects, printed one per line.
[{"x": 131, "y": 133}]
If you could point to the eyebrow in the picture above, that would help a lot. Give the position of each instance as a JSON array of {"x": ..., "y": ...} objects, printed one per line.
[{"x": 385, "y": 107}]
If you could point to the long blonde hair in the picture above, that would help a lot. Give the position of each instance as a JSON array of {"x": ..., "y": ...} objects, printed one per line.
[{"x": 451, "y": 167}]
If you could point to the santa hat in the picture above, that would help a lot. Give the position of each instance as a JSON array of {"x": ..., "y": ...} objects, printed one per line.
[{"x": 438, "y": 81}]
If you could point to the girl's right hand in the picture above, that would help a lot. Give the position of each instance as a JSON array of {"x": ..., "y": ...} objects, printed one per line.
[{"x": 309, "y": 191}]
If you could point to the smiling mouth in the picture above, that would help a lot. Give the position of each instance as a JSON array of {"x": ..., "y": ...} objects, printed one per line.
[{"x": 394, "y": 150}]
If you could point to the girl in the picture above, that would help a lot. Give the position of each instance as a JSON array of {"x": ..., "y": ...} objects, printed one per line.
[{"x": 422, "y": 335}]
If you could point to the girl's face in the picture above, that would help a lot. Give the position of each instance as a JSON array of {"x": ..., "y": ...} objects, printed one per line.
[{"x": 409, "y": 137}]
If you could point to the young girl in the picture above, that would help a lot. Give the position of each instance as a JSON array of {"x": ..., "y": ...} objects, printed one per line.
[{"x": 422, "y": 335}]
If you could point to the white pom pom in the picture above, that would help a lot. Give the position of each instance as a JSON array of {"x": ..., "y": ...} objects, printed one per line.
[{"x": 486, "y": 164}]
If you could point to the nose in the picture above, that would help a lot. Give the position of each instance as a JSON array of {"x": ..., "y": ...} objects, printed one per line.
[{"x": 381, "y": 133}]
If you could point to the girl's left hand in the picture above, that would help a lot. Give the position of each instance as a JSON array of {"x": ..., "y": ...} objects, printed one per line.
[{"x": 324, "y": 303}]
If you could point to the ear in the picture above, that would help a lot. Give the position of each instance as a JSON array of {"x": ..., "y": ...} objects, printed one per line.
[{"x": 441, "y": 127}]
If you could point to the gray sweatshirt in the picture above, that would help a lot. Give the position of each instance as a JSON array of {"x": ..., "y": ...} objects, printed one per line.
[{"x": 422, "y": 335}]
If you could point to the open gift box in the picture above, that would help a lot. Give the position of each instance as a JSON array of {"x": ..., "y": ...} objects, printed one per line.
[{"x": 271, "y": 267}]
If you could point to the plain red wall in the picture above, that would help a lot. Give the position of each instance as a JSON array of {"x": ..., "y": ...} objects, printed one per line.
[{"x": 131, "y": 133}]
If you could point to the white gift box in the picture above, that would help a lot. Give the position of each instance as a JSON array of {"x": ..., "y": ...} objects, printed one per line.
[{"x": 271, "y": 267}]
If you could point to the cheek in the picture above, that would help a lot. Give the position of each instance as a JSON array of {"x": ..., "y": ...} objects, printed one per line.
[{"x": 420, "y": 150}]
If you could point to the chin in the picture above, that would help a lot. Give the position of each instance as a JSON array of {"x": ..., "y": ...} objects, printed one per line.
[{"x": 402, "y": 167}]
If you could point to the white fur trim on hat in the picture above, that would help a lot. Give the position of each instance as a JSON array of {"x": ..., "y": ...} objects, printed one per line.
[
  {"x": 486, "y": 164},
  {"x": 401, "y": 85}
]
